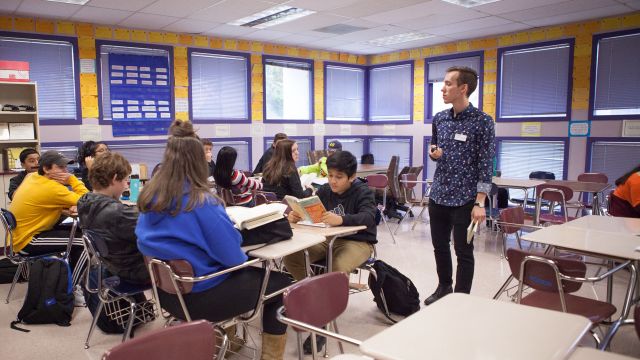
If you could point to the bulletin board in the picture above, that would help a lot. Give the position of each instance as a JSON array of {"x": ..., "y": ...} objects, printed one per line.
[{"x": 140, "y": 90}]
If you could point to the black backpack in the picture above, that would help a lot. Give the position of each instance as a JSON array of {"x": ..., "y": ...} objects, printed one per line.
[
  {"x": 400, "y": 294},
  {"x": 49, "y": 297}
]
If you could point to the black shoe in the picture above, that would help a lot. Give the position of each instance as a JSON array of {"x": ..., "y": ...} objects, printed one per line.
[
  {"x": 320, "y": 341},
  {"x": 441, "y": 291}
]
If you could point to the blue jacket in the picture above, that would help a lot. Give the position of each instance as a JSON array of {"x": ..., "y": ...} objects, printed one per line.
[{"x": 204, "y": 236}]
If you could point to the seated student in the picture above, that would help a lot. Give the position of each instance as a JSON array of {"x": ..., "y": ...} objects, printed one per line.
[
  {"x": 280, "y": 175},
  {"x": 320, "y": 168},
  {"x": 86, "y": 153},
  {"x": 102, "y": 212},
  {"x": 349, "y": 202},
  {"x": 229, "y": 178},
  {"x": 208, "y": 152},
  {"x": 269, "y": 153},
  {"x": 625, "y": 200},
  {"x": 181, "y": 219},
  {"x": 38, "y": 204},
  {"x": 29, "y": 160}
]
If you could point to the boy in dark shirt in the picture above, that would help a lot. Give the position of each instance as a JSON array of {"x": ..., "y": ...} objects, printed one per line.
[{"x": 29, "y": 160}]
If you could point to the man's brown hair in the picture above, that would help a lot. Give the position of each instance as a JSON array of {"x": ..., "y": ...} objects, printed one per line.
[
  {"x": 105, "y": 167},
  {"x": 466, "y": 75}
]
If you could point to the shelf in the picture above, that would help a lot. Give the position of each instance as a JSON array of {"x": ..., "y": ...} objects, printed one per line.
[
  {"x": 17, "y": 83},
  {"x": 18, "y": 113},
  {"x": 30, "y": 141}
]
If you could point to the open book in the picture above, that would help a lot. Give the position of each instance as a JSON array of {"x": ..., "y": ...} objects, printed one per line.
[
  {"x": 310, "y": 209},
  {"x": 251, "y": 218}
]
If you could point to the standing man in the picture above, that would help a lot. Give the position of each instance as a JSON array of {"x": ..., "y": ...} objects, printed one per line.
[
  {"x": 269, "y": 153},
  {"x": 463, "y": 147}
]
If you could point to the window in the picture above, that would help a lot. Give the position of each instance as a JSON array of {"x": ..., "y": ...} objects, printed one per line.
[
  {"x": 613, "y": 158},
  {"x": 53, "y": 66},
  {"x": 105, "y": 49},
  {"x": 535, "y": 82},
  {"x": 219, "y": 86},
  {"x": 436, "y": 70},
  {"x": 142, "y": 153},
  {"x": 354, "y": 145},
  {"x": 518, "y": 158},
  {"x": 67, "y": 149},
  {"x": 344, "y": 87},
  {"x": 288, "y": 89},
  {"x": 243, "y": 148},
  {"x": 305, "y": 143},
  {"x": 617, "y": 75},
  {"x": 383, "y": 148},
  {"x": 390, "y": 93}
]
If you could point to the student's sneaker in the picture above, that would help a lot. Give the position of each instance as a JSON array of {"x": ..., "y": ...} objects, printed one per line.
[{"x": 78, "y": 297}]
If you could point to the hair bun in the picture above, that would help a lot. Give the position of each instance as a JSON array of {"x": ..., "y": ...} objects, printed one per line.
[{"x": 180, "y": 128}]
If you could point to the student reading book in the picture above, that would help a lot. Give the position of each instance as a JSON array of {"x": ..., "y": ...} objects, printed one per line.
[
  {"x": 310, "y": 209},
  {"x": 250, "y": 218}
]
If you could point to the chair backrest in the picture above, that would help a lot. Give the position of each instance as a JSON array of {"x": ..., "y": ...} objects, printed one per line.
[
  {"x": 392, "y": 175},
  {"x": 594, "y": 177},
  {"x": 416, "y": 170},
  {"x": 556, "y": 193},
  {"x": 194, "y": 340},
  {"x": 408, "y": 181},
  {"x": 315, "y": 155},
  {"x": 514, "y": 215},
  {"x": 226, "y": 195},
  {"x": 377, "y": 181},
  {"x": 163, "y": 272},
  {"x": 542, "y": 175},
  {"x": 367, "y": 159},
  {"x": 264, "y": 197},
  {"x": 317, "y": 300},
  {"x": 9, "y": 224},
  {"x": 542, "y": 276}
]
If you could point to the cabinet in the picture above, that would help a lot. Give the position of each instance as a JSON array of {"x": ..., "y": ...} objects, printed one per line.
[{"x": 16, "y": 93}]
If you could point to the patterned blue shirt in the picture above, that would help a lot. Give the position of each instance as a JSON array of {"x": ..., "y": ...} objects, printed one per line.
[{"x": 465, "y": 168}]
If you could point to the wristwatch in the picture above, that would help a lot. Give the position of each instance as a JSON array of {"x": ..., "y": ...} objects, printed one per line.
[{"x": 479, "y": 205}]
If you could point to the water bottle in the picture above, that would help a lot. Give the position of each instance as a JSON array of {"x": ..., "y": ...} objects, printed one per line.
[{"x": 134, "y": 188}]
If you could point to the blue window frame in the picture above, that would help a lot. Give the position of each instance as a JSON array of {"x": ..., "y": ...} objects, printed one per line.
[
  {"x": 355, "y": 144},
  {"x": 53, "y": 66},
  {"x": 288, "y": 89},
  {"x": 305, "y": 143},
  {"x": 612, "y": 156},
  {"x": 517, "y": 156},
  {"x": 242, "y": 146},
  {"x": 345, "y": 93},
  {"x": 391, "y": 93},
  {"x": 219, "y": 90},
  {"x": 535, "y": 81},
  {"x": 384, "y": 147}
]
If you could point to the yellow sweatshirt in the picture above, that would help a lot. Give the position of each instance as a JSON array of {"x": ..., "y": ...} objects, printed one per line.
[{"x": 38, "y": 204}]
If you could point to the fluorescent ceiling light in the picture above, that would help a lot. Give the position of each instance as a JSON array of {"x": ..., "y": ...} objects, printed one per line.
[
  {"x": 397, "y": 39},
  {"x": 74, "y": 2},
  {"x": 272, "y": 16},
  {"x": 470, "y": 3}
]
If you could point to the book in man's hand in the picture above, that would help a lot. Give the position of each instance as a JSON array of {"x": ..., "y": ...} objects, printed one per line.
[
  {"x": 310, "y": 209},
  {"x": 251, "y": 218}
]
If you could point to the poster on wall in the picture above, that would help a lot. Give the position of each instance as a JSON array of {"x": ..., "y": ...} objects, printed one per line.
[{"x": 140, "y": 91}]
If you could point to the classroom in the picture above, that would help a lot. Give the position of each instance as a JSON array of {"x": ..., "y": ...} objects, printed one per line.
[{"x": 405, "y": 122}]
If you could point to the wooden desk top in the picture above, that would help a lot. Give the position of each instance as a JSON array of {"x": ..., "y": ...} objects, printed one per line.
[
  {"x": 580, "y": 186},
  {"x": 611, "y": 224},
  {"x": 461, "y": 326},
  {"x": 516, "y": 183},
  {"x": 299, "y": 241},
  {"x": 328, "y": 231},
  {"x": 583, "y": 353}
]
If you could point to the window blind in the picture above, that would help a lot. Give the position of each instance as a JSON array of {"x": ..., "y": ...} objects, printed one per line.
[
  {"x": 383, "y": 148},
  {"x": 618, "y": 76},
  {"x": 149, "y": 154},
  {"x": 614, "y": 158},
  {"x": 243, "y": 161},
  {"x": 534, "y": 82},
  {"x": 51, "y": 67},
  {"x": 287, "y": 90},
  {"x": 435, "y": 78},
  {"x": 219, "y": 85},
  {"x": 519, "y": 158},
  {"x": 352, "y": 145},
  {"x": 390, "y": 90},
  {"x": 345, "y": 93}
]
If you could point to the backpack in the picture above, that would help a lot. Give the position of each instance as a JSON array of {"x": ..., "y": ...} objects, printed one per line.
[
  {"x": 49, "y": 297},
  {"x": 400, "y": 294}
]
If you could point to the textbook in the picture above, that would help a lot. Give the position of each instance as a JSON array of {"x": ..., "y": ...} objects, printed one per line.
[
  {"x": 251, "y": 218},
  {"x": 471, "y": 230},
  {"x": 310, "y": 209}
]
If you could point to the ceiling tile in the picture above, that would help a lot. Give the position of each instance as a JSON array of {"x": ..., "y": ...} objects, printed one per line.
[
  {"x": 311, "y": 22},
  {"x": 228, "y": 11},
  {"x": 266, "y": 35},
  {"x": 371, "y": 7},
  {"x": 420, "y": 43},
  {"x": 323, "y": 5},
  {"x": 298, "y": 40},
  {"x": 434, "y": 20},
  {"x": 47, "y": 8},
  {"x": 505, "y": 6},
  {"x": 132, "y": 5},
  {"x": 579, "y": 16},
  {"x": 190, "y": 26},
  {"x": 634, "y": 4},
  {"x": 563, "y": 8},
  {"x": 225, "y": 30},
  {"x": 468, "y": 25},
  {"x": 147, "y": 21},
  {"x": 370, "y": 34},
  {"x": 399, "y": 15},
  {"x": 96, "y": 15},
  {"x": 489, "y": 31},
  {"x": 178, "y": 8},
  {"x": 9, "y": 6}
]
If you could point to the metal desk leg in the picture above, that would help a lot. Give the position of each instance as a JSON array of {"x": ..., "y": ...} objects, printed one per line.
[
  {"x": 595, "y": 204},
  {"x": 330, "y": 254},
  {"x": 626, "y": 309}
]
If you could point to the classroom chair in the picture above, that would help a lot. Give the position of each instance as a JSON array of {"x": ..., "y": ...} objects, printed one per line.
[
  {"x": 408, "y": 183},
  {"x": 584, "y": 199},
  {"x": 193, "y": 340},
  {"x": 381, "y": 182},
  {"x": 315, "y": 155},
  {"x": 552, "y": 194}
]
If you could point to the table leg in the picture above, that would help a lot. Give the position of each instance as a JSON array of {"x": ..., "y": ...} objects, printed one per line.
[
  {"x": 626, "y": 309},
  {"x": 595, "y": 204},
  {"x": 503, "y": 287},
  {"x": 330, "y": 254}
]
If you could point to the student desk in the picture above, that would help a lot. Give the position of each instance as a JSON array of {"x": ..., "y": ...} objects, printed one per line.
[
  {"x": 457, "y": 327},
  {"x": 329, "y": 233},
  {"x": 611, "y": 238},
  {"x": 299, "y": 242},
  {"x": 584, "y": 187},
  {"x": 518, "y": 184},
  {"x": 583, "y": 353},
  {"x": 368, "y": 169}
]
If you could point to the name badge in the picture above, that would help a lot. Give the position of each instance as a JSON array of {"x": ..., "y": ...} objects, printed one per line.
[{"x": 461, "y": 137}]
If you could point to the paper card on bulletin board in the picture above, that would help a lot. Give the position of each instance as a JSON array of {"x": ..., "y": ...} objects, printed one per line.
[
  {"x": 581, "y": 128},
  {"x": 530, "y": 129},
  {"x": 319, "y": 129},
  {"x": 631, "y": 128},
  {"x": 291, "y": 129},
  {"x": 223, "y": 130},
  {"x": 345, "y": 129},
  {"x": 90, "y": 132},
  {"x": 389, "y": 129},
  {"x": 88, "y": 66},
  {"x": 182, "y": 105}
]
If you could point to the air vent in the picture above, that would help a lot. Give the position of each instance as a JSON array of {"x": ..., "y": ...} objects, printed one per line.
[{"x": 340, "y": 29}]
